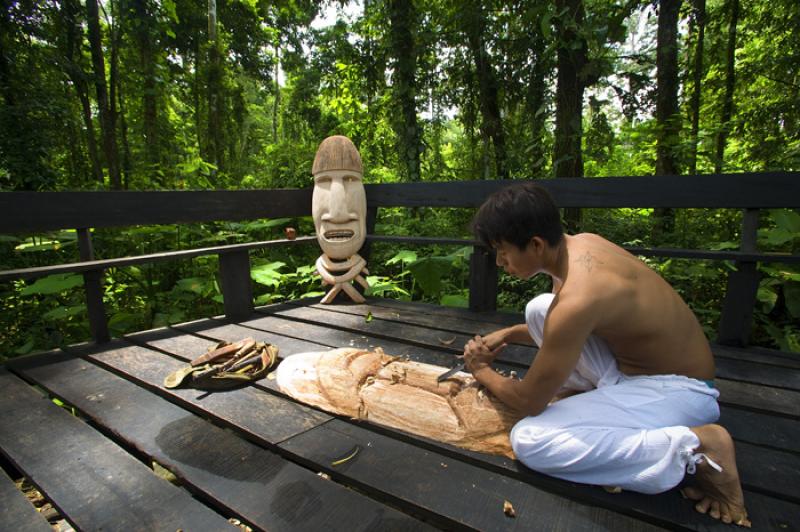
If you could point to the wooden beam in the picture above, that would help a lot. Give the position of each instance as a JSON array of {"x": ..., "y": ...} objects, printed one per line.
[
  {"x": 64, "y": 210},
  {"x": 482, "y": 280},
  {"x": 93, "y": 285},
  {"x": 736, "y": 320},
  {"x": 754, "y": 190},
  {"x": 235, "y": 283}
]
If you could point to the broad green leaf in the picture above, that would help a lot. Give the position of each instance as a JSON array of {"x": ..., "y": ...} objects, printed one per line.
[
  {"x": 429, "y": 272},
  {"x": 64, "y": 312},
  {"x": 786, "y": 220},
  {"x": 25, "y": 348},
  {"x": 53, "y": 284},
  {"x": 195, "y": 285},
  {"x": 454, "y": 300},
  {"x": 776, "y": 236},
  {"x": 791, "y": 292},
  {"x": 404, "y": 256},
  {"x": 268, "y": 274},
  {"x": 767, "y": 297}
]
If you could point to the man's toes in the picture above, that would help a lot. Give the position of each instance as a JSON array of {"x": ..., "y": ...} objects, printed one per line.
[
  {"x": 692, "y": 493},
  {"x": 715, "y": 513},
  {"x": 703, "y": 505},
  {"x": 726, "y": 517}
]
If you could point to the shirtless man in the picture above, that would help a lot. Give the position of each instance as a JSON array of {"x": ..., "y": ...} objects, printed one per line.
[{"x": 616, "y": 331}]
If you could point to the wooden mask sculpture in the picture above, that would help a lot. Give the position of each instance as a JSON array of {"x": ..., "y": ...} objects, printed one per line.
[{"x": 339, "y": 208}]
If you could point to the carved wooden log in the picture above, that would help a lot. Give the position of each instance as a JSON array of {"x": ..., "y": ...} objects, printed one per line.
[{"x": 386, "y": 390}]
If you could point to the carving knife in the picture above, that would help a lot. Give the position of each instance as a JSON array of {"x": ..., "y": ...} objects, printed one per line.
[{"x": 446, "y": 375}]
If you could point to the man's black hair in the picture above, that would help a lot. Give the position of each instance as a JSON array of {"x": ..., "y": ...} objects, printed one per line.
[{"x": 516, "y": 214}]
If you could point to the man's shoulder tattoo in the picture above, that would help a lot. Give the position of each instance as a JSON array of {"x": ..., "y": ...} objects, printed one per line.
[{"x": 588, "y": 261}]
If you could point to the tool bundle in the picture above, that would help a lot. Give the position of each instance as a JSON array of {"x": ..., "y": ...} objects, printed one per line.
[{"x": 226, "y": 365}]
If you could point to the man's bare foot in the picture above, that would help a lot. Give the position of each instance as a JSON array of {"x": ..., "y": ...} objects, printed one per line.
[{"x": 719, "y": 494}]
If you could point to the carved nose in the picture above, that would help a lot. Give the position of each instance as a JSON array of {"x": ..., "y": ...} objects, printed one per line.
[{"x": 337, "y": 209}]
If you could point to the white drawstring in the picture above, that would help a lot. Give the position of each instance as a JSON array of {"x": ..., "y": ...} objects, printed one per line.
[{"x": 697, "y": 458}]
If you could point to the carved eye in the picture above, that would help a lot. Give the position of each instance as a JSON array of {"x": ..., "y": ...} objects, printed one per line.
[{"x": 322, "y": 180}]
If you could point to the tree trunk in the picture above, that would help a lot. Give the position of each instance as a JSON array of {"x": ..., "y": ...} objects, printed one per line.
[
  {"x": 73, "y": 68},
  {"x": 667, "y": 116},
  {"x": 103, "y": 104},
  {"x": 699, "y": 28},
  {"x": 535, "y": 101},
  {"x": 730, "y": 83},
  {"x": 147, "y": 62},
  {"x": 488, "y": 94},
  {"x": 402, "y": 19},
  {"x": 277, "y": 102},
  {"x": 572, "y": 59},
  {"x": 115, "y": 97},
  {"x": 214, "y": 91}
]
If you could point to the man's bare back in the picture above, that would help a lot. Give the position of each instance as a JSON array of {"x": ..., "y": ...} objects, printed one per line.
[{"x": 648, "y": 326}]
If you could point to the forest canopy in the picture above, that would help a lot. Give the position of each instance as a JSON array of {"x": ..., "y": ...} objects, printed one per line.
[{"x": 237, "y": 94}]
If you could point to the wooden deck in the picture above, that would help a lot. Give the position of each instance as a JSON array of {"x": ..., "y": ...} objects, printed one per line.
[{"x": 254, "y": 455}]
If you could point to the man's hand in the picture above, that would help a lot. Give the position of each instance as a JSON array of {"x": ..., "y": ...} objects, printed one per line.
[{"x": 480, "y": 352}]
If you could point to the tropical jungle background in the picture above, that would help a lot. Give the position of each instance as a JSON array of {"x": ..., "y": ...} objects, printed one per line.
[{"x": 237, "y": 94}]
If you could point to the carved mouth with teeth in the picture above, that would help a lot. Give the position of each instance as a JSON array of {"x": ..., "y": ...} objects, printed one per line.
[{"x": 339, "y": 235}]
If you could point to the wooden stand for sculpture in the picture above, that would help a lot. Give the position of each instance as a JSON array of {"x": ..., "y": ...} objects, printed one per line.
[
  {"x": 405, "y": 395},
  {"x": 353, "y": 268}
]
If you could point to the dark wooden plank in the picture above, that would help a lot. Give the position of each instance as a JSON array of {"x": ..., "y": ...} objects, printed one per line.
[
  {"x": 93, "y": 483},
  {"x": 298, "y": 337},
  {"x": 502, "y": 318},
  {"x": 453, "y": 493},
  {"x": 640, "y": 251},
  {"x": 757, "y": 373},
  {"x": 751, "y": 457},
  {"x": 94, "y": 265},
  {"x": 256, "y": 485},
  {"x": 760, "y": 355},
  {"x": 237, "y": 410},
  {"x": 756, "y": 397},
  {"x": 65, "y": 210},
  {"x": 448, "y": 342},
  {"x": 739, "y": 370},
  {"x": 473, "y": 497},
  {"x": 276, "y": 417},
  {"x": 754, "y": 190},
  {"x": 758, "y": 428},
  {"x": 16, "y": 512},
  {"x": 58, "y": 210}
]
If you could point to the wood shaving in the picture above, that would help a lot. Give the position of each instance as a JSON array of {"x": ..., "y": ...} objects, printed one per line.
[
  {"x": 613, "y": 489},
  {"x": 448, "y": 341},
  {"x": 349, "y": 456},
  {"x": 508, "y": 509}
]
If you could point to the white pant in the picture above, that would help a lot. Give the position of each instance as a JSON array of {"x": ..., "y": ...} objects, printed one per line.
[{"x": 626, "y": 431}]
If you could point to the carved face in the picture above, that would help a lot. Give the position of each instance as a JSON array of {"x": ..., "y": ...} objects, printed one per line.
[{"x": 339, "y": 208}]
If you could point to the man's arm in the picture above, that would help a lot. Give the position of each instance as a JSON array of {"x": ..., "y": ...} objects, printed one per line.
[{"x": 566, "y": 329}]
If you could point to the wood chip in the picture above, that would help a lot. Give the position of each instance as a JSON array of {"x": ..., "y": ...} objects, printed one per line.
[
  {"x": 615, "y": 489},
  {"x": 508, "y": 509}
]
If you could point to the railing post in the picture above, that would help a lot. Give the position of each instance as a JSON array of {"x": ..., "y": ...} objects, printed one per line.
[
  {"x": 740, "y": 297},
  {"x": 482, "y": 280},
  {"x": 235, "y": 283},
  {"x": 93, "y": 285}
]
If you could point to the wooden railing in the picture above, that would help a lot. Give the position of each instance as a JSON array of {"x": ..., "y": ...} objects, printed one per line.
[{"x": 27, "y": 212}]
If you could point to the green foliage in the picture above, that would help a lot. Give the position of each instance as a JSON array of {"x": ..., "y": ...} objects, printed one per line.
[{"x": 249, "y": 108}]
